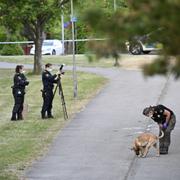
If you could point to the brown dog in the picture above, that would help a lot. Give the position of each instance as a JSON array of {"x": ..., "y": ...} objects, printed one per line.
[{"x": 144, "y": 142}]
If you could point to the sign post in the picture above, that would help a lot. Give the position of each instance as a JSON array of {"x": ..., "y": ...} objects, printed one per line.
[
  {"x": 115, "y": 6},
  {"x": 62, "y": 33},
  {"x": 73, "y": 51}
]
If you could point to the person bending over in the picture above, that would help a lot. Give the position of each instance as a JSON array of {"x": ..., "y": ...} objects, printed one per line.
[{"x": 166, "y": 120}]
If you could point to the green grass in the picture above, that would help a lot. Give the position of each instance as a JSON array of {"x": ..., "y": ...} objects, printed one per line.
[
  {"x": 23, "y": 141},
  {"x": 81, "y": 60}
]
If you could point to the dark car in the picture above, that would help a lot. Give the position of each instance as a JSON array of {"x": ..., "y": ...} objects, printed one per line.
[{"x": 143, "y": 44}]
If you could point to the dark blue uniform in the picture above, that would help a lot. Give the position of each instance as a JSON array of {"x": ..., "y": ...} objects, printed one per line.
[
  {"x": 160, "y": 118},
  {"x": 18, "y": 90},
  {"x": 47, "y": 93}
]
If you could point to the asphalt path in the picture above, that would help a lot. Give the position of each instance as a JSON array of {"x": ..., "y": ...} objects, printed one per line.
[{"x": 95, "y": 145}]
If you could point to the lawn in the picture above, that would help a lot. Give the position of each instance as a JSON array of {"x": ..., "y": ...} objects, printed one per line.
[
  {"x": 81, "y": 60},
  {"x": 127, "y": 61},
  {"x": 24, "y": 141}
]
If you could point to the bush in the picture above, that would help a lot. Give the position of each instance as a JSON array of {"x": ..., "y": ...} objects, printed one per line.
[
  {"x": 12, "y": 49},
  {"x": 81, "y": 47},
  {"x": 2, "y": 38}
]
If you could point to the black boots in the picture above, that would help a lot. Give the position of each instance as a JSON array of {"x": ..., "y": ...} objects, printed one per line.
[
  {"x": 164, "y": 150},
  {"x": 18, "y": 117},
  {"x": 43, "y": 115},
  {"x": 13, "y": 118},
  {"x": 49, "y": 114}
]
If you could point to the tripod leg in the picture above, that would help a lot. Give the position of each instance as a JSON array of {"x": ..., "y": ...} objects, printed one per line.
[
  {"x": 64, "y": 110},
  {"x": 63, "y": 102},
  {"x": 55, "y": 91}
]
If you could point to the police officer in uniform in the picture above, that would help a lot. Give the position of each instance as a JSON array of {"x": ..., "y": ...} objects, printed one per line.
[
  {"x": 166, "y": 120},
  {"x": 48, "y": 81},
  {"x": 18, "y": 90}
]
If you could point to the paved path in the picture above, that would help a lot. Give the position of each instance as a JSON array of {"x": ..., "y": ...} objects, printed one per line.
[
  {"x": 95, "y": 145},
  {"x": 166, "y": 167},
  {"x": 7, "y": 65}
]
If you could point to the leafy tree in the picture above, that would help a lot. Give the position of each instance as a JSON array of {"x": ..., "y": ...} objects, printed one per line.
[
  {"x": 33, "y": 16},
  {"x": 142, "y": 17},
  {"x": 2, "y": 36},
  {"x": 12, "y": 49},
  {"x": 82, "y": 30},
  {"x": 103, "y": 24}
]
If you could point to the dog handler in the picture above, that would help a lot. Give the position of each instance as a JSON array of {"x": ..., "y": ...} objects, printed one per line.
[
  {"x": 166, "y": 120},
  {"x": 18, "y": 90}
]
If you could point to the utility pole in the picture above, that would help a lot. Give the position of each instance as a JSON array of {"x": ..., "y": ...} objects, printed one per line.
[
  {"x": 62, "y": 33},
  {"x": 73, "y": 51},
  {"x": 115, "y": 6}
]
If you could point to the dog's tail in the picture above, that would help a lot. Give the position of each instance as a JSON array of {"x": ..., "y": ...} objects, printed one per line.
[{"x": 162, "y": 135}]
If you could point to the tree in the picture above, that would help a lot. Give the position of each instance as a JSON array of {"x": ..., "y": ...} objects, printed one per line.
[
  {"x": 33, "y": 16},
  {"x": 82, "y": 30},
  {"x": 103, "y": 24},
  {"x": 142, "y": 17}
]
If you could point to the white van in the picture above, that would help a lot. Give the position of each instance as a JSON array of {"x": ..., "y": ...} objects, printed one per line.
[{"x": 50, "y": 47}]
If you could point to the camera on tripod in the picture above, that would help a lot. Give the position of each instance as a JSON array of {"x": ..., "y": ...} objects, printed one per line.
[
  {"x": 61, "y": 69},
  {"x": 59, "y": 86}
]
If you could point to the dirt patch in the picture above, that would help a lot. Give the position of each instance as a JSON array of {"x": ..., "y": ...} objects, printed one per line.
[{"x": 136, "y": 61}]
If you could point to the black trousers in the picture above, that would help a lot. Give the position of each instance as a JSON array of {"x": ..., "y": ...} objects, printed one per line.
[
  {"x": 166, "y": 140},
  {"x": 18, "y": 106},
  {"x": 47, "y": 103}
]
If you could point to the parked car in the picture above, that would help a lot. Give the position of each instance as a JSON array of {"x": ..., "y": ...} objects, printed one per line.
[
  {"x": 143, "y": 44},
  {"x": 50, "y": 47}
]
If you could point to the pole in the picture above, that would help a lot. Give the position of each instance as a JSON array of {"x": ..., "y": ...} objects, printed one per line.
[
  {"x": 62, "y": 33},
  {"x": 75, "y": 37},
  {"x": 74, "y": 57},
  {"x": 115, "y": 6}
]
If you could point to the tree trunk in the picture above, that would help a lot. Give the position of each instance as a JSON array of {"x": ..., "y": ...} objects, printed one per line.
[
  {"x": 38, "y": 51},
  {"x": 116, "y": 64}
]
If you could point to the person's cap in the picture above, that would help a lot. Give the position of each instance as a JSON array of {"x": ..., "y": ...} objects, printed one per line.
[
  {"x": 48, "y": 65},
  {"x": 147, "y": 110}
]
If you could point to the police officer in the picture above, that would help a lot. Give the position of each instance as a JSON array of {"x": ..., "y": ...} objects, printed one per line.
[
  {"x": 166, "y": 120},
  {"x": 48, "y": 81},
  {"x": 18, "y": 90}
]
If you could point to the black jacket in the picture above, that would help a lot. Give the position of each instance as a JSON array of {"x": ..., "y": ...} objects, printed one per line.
[
  {"x": 20, "y": 81},
  {"x": 158, "y": 115},
  {"x": 48, "y": 80}
]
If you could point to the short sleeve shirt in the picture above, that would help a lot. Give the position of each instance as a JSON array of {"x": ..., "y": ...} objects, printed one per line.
[{"x": 158, "y": 115}]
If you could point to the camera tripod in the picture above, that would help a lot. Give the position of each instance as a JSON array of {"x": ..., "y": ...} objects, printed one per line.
[{"x": 59, "y": 85}]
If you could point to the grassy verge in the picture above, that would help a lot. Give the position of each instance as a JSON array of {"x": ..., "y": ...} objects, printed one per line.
[
  {"x": 23, "y": 141},
  {"x": 81, "y": 60},
  {"x": 126, "y": 61}
]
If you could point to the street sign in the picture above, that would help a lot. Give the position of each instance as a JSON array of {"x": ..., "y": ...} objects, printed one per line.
[
  {"x": 67, "y": 24},
  {"x": 74, "y": 19}
]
